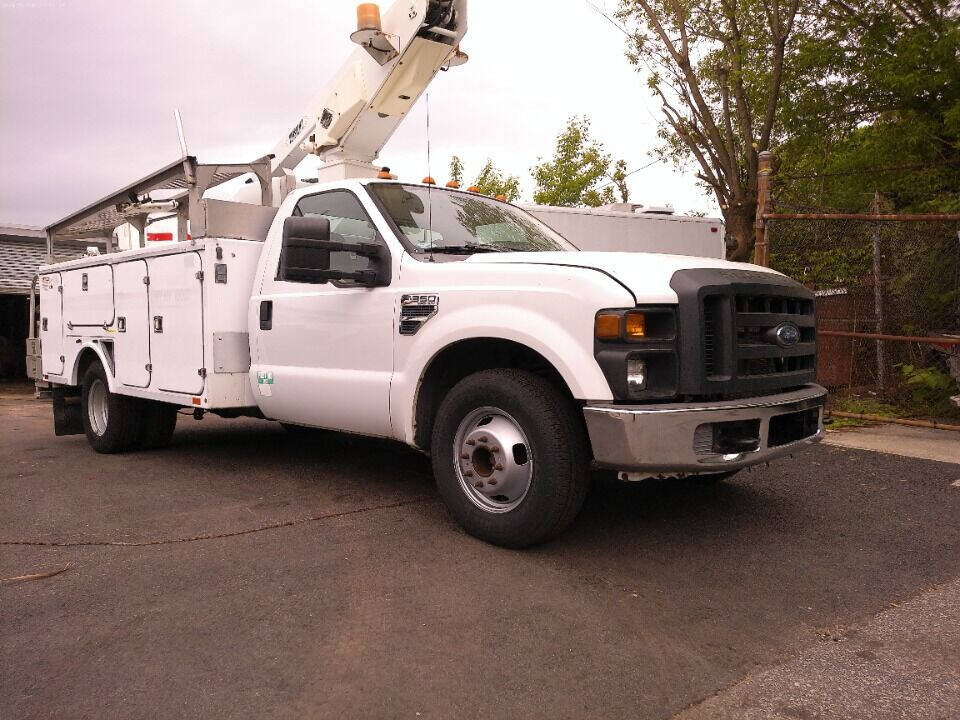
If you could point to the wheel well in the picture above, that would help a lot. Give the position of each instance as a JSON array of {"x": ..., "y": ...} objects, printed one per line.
[
  {"x": 86, "y": 358},
  {"x": 464, "y": 358}
]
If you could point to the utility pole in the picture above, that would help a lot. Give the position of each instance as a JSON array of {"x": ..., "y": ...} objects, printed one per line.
[{"x": 761, "y": 248}]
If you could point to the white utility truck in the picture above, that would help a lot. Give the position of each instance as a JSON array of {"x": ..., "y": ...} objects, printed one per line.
[{"x": 447, "y": 320}]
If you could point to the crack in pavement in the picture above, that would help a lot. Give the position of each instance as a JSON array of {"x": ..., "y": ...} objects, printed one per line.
[{"x": 218, "y": 536}]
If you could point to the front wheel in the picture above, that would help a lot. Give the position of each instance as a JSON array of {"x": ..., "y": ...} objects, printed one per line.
[{"x": 510, "y": 457}]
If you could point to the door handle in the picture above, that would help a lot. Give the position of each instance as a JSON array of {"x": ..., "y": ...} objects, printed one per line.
[{"x": 266, "y": 314}]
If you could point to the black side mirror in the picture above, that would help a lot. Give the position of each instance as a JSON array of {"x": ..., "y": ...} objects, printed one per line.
[{"x": 306, "y": 248}]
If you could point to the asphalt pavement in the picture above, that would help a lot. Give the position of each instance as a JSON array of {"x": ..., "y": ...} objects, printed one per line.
[{"x": 247, "y": 572}]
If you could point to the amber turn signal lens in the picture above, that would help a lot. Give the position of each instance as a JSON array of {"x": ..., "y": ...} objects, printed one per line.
[
  {"x": 607, "y": 327},
  {"x": 636, "y": 326}
]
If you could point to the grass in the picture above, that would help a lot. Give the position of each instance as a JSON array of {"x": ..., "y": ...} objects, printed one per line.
[{"x": 861, "y": 405}]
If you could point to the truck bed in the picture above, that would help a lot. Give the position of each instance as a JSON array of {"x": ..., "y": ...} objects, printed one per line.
[{"x": 171, "y": 320}]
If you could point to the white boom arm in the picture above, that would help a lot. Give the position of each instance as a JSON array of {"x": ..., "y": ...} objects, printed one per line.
[{"x": 351, "y": 120}]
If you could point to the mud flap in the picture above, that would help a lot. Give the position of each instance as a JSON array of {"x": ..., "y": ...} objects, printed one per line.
[{"x": 67, "y": 411}]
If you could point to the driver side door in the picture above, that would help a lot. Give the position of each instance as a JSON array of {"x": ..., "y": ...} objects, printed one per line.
[{"x": 325, "y": 349}]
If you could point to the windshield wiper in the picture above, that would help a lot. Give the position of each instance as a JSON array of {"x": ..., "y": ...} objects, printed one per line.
[{"x": 462, "y": 249}]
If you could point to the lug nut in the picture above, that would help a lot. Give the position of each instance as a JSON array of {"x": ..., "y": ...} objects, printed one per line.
[
  {"x": 482, "y": 438},
  {"x": 495, "y": 448},
  {"x": 465, "y": 456},
  {"x": 471, "y": 442},
  {"x": 499, "y": 467},
  {"x": 478, "y": 484},
  {"x": 492, "y": 482}
]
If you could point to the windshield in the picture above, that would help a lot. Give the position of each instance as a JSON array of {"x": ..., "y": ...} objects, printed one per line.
[{"x": 447, "y": 221}]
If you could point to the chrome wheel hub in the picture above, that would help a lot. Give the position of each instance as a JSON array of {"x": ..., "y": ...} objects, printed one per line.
[
  {"x": 97, "y": 407},
  {"x": 492, "y": 460}
]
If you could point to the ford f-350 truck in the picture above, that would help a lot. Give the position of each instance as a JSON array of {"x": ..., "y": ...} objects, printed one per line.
[{"x": 450, "y": 321}]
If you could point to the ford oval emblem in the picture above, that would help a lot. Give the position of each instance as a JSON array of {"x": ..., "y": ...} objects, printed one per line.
[{"x": 787, "y": 335}]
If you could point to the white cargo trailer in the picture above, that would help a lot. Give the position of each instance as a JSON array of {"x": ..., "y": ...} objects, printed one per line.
[{"x": 624, "y": 227}]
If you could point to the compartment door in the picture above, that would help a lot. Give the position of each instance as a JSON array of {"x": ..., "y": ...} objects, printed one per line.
[
  {"x": 176, "y": 323},
  {"x": 88, "y": 299},
  {"x": 51, "y": 324},
  {"x": 132, "y": 343}
]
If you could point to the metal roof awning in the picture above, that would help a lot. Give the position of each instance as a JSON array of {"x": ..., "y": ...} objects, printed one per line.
[
  {"x": 21, "y": 256},
  {"x": 100, "y": 218}
]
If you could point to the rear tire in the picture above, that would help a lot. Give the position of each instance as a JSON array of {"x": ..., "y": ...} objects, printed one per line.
[
  {"x": 110, "y": 421},
  {"x": 510, "y": 457},
  {"x": 157, "y": 423}
]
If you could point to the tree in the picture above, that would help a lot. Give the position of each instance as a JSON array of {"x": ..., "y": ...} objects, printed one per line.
[
  {"x": 889, "y": 97},
  {"x": 718, "y": 68},
  {"x": 456, "y": 169},
  {"x": 491, "y": 181},
  {"x": 573, "y": 177},
  {"x": 619, "y": 179}
]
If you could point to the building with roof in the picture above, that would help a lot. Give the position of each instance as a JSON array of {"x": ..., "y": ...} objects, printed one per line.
[{"x": 23, "y": 249}]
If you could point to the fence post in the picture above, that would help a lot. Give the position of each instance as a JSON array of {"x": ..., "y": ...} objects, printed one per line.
[
  {"x": 878, "y": 297},
  {"x": 761, "y": 249}
]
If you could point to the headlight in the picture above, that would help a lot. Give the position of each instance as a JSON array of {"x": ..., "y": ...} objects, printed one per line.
[
  {"x": 637, "y": 350},
  {"x": 636, "y": 374}
]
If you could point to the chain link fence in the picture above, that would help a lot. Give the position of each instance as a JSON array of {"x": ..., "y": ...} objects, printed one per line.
[{"x": 888, "y": 290}]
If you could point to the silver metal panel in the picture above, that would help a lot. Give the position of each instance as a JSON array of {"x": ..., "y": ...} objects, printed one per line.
[
  {"x": 662, "y": 438},
  {"x": 34, "y": 367},
  {"x": 240, "y": 221},
  {"x": 100, "y": 218},
  {"x": 231, "y": 352}
]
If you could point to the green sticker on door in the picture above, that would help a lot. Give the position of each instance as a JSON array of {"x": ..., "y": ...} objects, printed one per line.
[{"x": 265, "y": 382}]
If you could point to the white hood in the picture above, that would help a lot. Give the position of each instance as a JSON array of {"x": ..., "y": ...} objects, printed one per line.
[{"x": 646, "y": 275}]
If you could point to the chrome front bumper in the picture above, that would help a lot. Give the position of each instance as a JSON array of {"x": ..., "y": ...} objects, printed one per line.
[{"x": 689, "y": 437}]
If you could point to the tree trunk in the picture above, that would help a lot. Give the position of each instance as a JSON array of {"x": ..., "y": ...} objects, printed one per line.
[{"x": 739, "y": 225}]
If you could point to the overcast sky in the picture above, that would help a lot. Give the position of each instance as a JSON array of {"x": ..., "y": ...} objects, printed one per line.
[{"x": 89, "y": 88}]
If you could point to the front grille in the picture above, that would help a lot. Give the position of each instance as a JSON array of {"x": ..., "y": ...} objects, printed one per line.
[
  {"x": 757, "y": 318},
  {"x": 744, "y": 332}
]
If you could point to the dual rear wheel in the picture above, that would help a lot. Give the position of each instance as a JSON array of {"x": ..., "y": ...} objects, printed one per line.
[{"x": 115, "y": 423}]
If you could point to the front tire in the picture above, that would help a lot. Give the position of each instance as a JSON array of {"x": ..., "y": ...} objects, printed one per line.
[
  {"x": 110, "y": 421},
  {"x": 510, "y": 457}
]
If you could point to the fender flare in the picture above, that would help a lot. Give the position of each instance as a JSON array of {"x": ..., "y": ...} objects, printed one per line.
[{"x": 105, "y": 358}]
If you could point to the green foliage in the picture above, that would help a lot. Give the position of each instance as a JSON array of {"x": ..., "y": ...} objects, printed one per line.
[
  {"x": 456, "y": 168},
  {"x": 864, "y": 406},
  {"x": 491, "y": 181},
  {"x": 619, "y": 178},
  {"x": 929, "y": 389},
  {"x": 885, "y": 93},
  {"x": 575, "y": 175}
]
